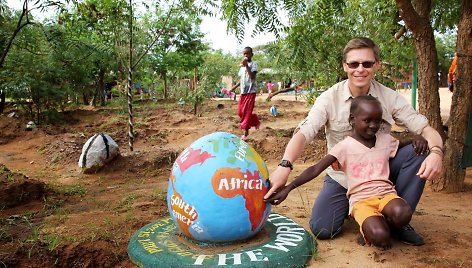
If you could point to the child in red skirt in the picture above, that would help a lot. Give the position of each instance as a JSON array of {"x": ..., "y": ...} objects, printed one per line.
[{"x": 247, "y": 100}]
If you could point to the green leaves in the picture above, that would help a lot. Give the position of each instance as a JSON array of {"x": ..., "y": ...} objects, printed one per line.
[{"x": 268, "y": 15}]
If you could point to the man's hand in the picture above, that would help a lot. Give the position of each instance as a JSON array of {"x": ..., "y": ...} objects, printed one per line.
[
  {"x": 278, "y": 179},
  {"x": 420, "y": 144},
  {"x": 431, "y": 167}
]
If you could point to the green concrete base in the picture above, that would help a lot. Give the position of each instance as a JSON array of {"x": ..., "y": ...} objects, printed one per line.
[{"x": 281, "y": 243}]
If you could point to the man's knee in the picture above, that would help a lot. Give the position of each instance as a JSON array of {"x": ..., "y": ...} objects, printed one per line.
[{"x": 324, "y": 232}]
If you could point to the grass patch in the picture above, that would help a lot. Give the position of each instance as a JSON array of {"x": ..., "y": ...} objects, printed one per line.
[
  {"x": 127, "y": 202},
  {"x": 68, "y": 190},
  {"x": 159, "y": 194}
]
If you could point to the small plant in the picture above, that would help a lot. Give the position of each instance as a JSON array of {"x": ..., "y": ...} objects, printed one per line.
[
  {"x": 159, "y": 194},
  {"x": 279, "y": 134},
  {"x": 314, "y": 248},
  {"x": 42, "y": 149},
  {"x": 304, "y": 199},
  {"x": 52, "y": 241},
  {"x": 57, "y": 158},
  {"x": 100, "y": 181},
  {"x": 4, "y": 169},
  {"x": 108, "y": 222},
  {"x": 130, "y": 217},
  {"x": 311, "y": 96},
  {"x": 5, "y": 234},
  {"x": 62, "y": 215},
  {"x": 34, "y": 236},
  {"x": 52, "y": 205},
  {"x": 127, "y": 202},
  {"x": 10, "y": 178}
]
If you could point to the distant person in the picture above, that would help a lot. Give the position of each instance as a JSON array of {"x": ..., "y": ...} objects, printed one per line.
[
  {"x": 269, "y": 87},
  {"x": 247, "y": 100},
  {"x": 261, "y": 87},
  {"x": 408, "y": 169},
  {"x": 451, "y": 75},
  {"x": 288, "y": 84},
  {"x": 364, "y": 158},
  {"x": 229, "y": 93}
]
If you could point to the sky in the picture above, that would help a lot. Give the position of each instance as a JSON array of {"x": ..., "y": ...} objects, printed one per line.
[{"x": 215, "y": 34}]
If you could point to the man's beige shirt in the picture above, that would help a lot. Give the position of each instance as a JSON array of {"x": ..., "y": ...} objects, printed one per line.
[{"x": 331, "y": 110}]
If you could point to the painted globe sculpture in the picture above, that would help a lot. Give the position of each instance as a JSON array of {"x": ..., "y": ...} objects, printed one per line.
[{"x": 216, "y": 189}]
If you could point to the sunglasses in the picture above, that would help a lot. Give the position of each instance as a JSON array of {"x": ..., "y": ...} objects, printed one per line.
[{"x": 365, "y": 64}]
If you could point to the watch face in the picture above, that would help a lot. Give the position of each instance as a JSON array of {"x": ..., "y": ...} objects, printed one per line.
[{"x": 285, "y": 163}]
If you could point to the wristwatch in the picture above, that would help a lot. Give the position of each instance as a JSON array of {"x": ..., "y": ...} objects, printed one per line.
[{"x": 286, "y": 163}]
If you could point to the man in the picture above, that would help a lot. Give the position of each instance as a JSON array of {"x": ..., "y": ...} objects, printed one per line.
[{"x": 408, "y": 169}]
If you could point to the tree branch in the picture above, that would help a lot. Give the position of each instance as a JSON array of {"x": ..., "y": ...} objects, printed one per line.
[
  {"x": 409, "y": 15},
  {"x": 156, "y": 38},
  {"x": 20, "y": 25},
  {"x": 400, "y": 32}
]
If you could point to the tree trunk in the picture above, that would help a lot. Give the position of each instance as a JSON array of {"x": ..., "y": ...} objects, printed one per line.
[
  {"x": 130, "y": 81},
  {"x": 195, "y": 79},
  {"x": 461, "y": 106},
  {"x": 2, "y": 100},
  {"x": 85, "y": 100},
  {"x": 96, "y": 94},
  {"x": 428, "y": 83},
  {"x": 418, "y": 21},
  {"x": 164, "y": 77},
  {"x": 101, "y": 87}
]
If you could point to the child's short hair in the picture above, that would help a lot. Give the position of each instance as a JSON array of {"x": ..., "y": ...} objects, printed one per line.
[{"x": 361, "y": 99}]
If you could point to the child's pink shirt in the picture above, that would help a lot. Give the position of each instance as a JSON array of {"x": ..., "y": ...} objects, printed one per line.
[{"x": 367, "y": 169}]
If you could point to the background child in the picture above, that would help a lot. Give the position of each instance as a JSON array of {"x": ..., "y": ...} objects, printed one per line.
[
  {"x": 269, "y": 87},
  {"x": 247, "y": 100},
  {"x": 364, "y": 158}
]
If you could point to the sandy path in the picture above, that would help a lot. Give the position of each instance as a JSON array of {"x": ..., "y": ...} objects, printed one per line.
[{"x": 444, "y": 94}]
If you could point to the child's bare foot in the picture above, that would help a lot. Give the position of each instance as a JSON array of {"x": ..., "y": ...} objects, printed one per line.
[{"x": 360, "y": 240}]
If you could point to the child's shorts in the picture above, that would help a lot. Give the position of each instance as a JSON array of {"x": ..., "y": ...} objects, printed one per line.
[{"x": 371, "y": 206}]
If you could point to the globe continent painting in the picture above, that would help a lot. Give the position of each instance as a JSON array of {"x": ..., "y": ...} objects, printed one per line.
[{"x": 216, "y": 190}]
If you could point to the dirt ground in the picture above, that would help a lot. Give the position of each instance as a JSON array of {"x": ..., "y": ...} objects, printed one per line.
[{"x": 52, "y": 215}]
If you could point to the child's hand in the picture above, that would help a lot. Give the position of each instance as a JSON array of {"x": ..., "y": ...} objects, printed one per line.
[
  {"x": 244, "y": 62},
  {"x": 278, "y": 197},
  {"x": 420, "y": 144}
]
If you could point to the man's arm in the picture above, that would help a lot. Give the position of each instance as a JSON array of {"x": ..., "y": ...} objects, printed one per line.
[
  {"x": 279, "y": 177},
  {"x": 431, "y": 167}
]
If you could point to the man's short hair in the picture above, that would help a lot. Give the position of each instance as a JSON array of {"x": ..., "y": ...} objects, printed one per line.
[{"x": 361, "y": 42}]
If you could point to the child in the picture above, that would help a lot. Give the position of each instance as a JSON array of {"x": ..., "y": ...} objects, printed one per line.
[
  {"x": 248, "y": 83},
  {"x": 364, "y": 158},
  {"x": 269, "y": 87}
]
